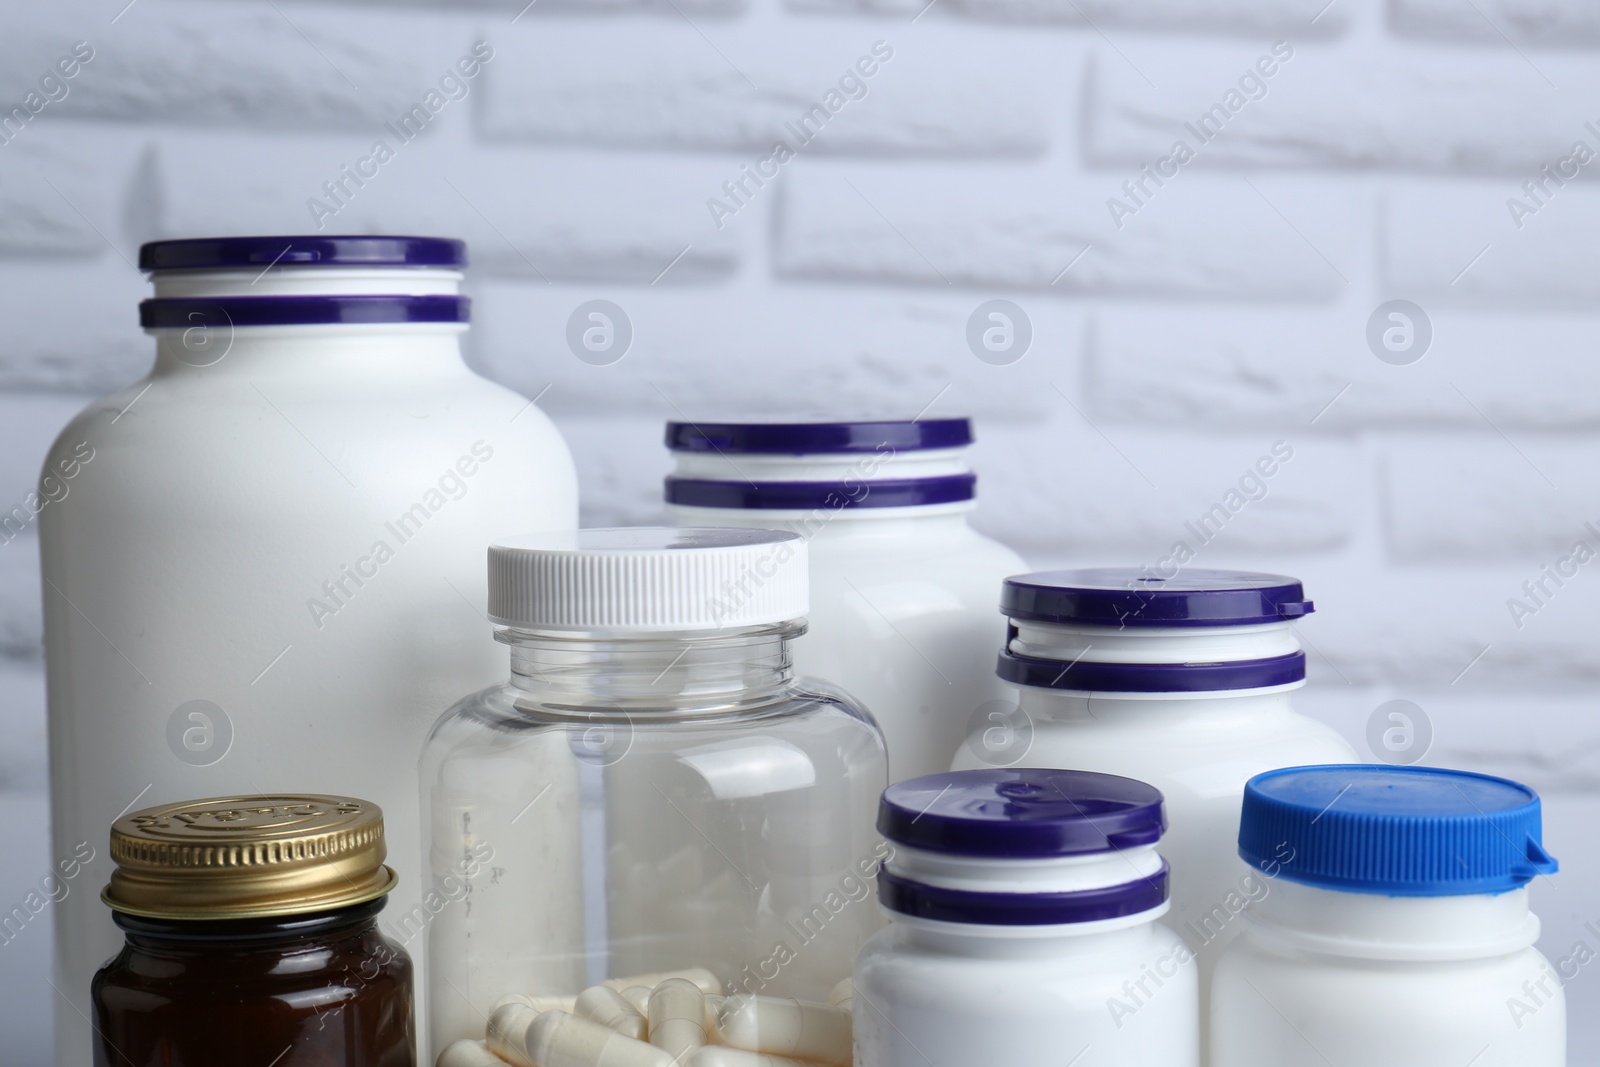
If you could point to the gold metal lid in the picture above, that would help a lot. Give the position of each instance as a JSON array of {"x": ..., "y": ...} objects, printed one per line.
[{"x": 248, "y": 857}]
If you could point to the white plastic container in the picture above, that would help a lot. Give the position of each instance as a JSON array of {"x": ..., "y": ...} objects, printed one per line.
[
  {"x": 648, "y": 790},
  {"x": 1023, "y": 907},
  {"x": 902, "y": 587},
  {"x": 1395, "y": 931},
  {"x": 1183, "y": 683},
  {"x": 270, "y": 575}
]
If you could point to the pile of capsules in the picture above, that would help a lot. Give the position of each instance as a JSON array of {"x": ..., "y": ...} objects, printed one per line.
[{"x": 679, "y": 1019}]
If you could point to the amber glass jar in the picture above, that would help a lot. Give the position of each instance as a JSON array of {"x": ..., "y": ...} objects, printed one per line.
[{"x": 252, "y": 937}]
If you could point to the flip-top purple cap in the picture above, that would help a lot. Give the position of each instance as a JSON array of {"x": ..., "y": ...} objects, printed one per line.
[
  {"x": 314, "y": 250},
  {"x": 1021, "y": 814},
  {"x": 1123, "y": 596}
]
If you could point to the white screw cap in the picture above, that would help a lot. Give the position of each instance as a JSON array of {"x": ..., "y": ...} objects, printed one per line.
[{"x": 648, "y": 578}]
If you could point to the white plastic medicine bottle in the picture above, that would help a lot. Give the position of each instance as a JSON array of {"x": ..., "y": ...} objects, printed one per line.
[
  {"x": 1182, "y": 683},
  {"x": 902, "y": 587},
  {"x": 270, "y": 576},
  {"x": 1396, "y": 929},
  {"x": 1023, "y": 907}
]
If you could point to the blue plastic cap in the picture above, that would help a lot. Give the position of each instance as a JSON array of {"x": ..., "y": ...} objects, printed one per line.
[
  {"x": 1126, "y": 596},
  {"x": 1393, "y": 831},
  {"x": 1021, "y": 813}
]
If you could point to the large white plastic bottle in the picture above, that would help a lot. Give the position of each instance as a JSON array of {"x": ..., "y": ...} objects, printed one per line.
[
  {"x": 268, "y": 576},
  {"x": 902, "y": 587}
]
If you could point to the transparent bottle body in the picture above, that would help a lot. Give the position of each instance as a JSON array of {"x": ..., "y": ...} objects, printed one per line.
[
  {"x": 903, "y": 616},
  {"x": 628, "y": 807}
]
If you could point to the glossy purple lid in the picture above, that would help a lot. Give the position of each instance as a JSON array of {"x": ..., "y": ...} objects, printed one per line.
[
  {"x": 809, "y": 438},
  {"x": 314, "y": 250},
  {"x": 1021, "y": 813},
  {"x": 1125, "y": 596}
]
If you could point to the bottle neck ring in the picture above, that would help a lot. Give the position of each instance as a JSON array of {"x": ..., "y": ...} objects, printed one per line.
[
  {"x": 214, "y": 302},
  {"x": 1094, "y": 891},
  {"x": 673, "y": 671},
  {"x": 1108, "y": 659},
  {"x": 242, "y": 312},
  {"x": 846, "y": 482},
  {"x": 260, "y": 932},
  {"x": 808, "y": 496},
  {"x": 1376, "y": 927},
  {"x": 289, "y": 280}
]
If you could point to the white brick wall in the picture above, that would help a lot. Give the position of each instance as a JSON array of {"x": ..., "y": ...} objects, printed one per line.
[{"x": 1224, "y": 310}]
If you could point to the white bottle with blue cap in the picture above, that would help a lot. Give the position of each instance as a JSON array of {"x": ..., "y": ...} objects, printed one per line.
[
  {"x": 1024, "y": 907},
  {"x": 902, "y": 587},
  {"x": 1395, "y": 931},
  {"x": 263, "y": 569},
  {"x": 1184, "y": 683}
]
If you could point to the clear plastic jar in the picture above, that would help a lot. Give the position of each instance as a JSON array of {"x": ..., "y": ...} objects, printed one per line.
[
  {"x": 1024, "y": 908},
  {"x": 1184, "y": 683},
  {"x": 902, "y": 586},
  {"x": 1394, "y": 930},
  {"x": 649, "y": 792}
]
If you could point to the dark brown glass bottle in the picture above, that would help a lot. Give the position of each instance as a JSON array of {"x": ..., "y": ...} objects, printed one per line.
[
  {"x": 252, "y": 939},
  {"x": 322, "y": 990}
]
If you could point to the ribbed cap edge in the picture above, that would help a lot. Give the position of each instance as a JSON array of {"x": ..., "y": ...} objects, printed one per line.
[{"x": 648, "y": 579}]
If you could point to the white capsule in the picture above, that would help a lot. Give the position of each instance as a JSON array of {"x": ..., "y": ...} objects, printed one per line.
[
  {"x": 708, "y": 982},
  {"x": 798, "y": 1028},
  {"x": 609, "y": 1008},
  {"x": 843, "y": 995},
  {"x": 468, "y": 1053},
  {"x": 528, "y": 1000},
  {"x": 556, "y": 1039},
  {"x": 713, "y": 1009},
  {"x": 721, "y": 1056},
  {"x": 507, "y": 1032},
  {"x": 639, "y": 997},
  {"x": 677, "y": 1018}
]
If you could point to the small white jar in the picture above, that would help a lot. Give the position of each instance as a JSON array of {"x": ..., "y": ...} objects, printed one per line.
[
  {"x": 1184, "y": 683},
  {"x": 902, "y": 588},
  {"x": 1395, "y": 931},
  {"x": 1023, "y": 907}
]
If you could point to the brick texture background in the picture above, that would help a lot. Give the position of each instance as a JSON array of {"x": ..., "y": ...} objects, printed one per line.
[{"x": 1225, "y": 310}]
